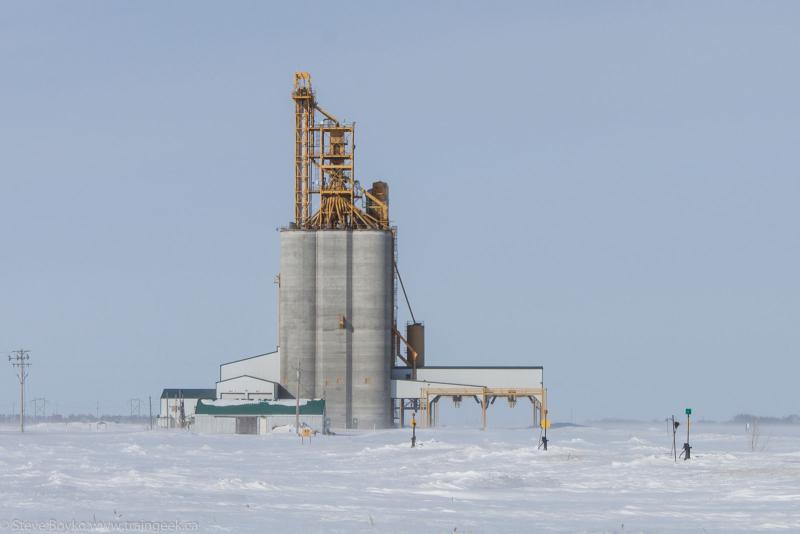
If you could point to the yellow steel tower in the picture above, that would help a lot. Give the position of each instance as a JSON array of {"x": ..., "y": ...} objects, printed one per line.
[
  {"x": 324, "y": 166},
  {"x": 304, "y": 126}
]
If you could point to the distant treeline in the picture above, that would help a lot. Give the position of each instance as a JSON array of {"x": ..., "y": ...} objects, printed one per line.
[
  {"x": 793, "y": 419},
  {"x": 742, "y": 418},
  {"x": 75, "y": 418}
]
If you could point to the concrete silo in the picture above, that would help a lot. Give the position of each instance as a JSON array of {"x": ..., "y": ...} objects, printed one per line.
[
  {"x": 372, "y": 326},
  {"x": 336, "y": 302},
  {"x": 297, "y": 311}
]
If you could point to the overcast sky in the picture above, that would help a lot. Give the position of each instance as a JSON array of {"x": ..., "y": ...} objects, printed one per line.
[{"x": 610, "y": 190}]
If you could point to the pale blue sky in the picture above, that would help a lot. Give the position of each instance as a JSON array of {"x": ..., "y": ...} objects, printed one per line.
[{"x": 608, "y": 189}]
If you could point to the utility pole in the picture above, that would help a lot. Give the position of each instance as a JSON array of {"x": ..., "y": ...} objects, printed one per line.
[
  {"x": 20, "y": 360},
  {"x": 150, "y": 400},
  {"x": 297, "y": 403}
]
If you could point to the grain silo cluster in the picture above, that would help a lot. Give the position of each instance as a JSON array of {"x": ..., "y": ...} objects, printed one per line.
[{"x": 338, "y": 337}]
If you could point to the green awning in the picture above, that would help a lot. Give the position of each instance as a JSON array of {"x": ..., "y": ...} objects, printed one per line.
[{"x": 310, "y": 407}]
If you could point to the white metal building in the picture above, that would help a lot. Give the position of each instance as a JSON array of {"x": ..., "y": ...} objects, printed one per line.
[
  {"x": 256, "y": 417},
  {"x": 178, "y": 404},
  {"x": 253, "y": 378},
  {"x": 254, "y": 381}
]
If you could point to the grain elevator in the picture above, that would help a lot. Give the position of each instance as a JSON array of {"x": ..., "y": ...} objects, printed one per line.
[
  {"x": 336, "y": 285},
  {"x": 341, "y": 362}
]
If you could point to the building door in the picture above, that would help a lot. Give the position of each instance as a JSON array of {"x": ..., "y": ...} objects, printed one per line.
[{"x": 246, "y": 425}]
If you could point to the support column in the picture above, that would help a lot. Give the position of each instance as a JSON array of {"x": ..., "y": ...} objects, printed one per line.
[
  {"x": 543, "y": 415},
  {"x": 427, "y": 411},
  {"x": 483, "y": 409}
]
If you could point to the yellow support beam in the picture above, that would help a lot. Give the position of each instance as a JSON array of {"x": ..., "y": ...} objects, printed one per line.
[{"x": 483, "y": 394}]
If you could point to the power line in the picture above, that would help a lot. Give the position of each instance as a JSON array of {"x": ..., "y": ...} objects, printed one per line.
[{"x": 20, "y": 360}]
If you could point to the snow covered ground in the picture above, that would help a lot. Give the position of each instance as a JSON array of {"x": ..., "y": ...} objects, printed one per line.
[{"x": 593, "y": 479}]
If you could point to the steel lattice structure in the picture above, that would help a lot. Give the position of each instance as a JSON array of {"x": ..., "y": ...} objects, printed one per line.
[{"x": 325, "y": 168}]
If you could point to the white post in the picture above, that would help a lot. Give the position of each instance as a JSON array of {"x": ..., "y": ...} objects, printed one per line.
[{"x": 297, "y": 404}]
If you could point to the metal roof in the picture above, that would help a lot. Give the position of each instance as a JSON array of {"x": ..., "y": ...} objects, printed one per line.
[
  {"x": 247, "y": 376},
  {"x": 189, "y": 393},
  {"x": 471, "y": 367},
  {"x": 248, "y": 358},
  {"x": 311, "y": 407}
]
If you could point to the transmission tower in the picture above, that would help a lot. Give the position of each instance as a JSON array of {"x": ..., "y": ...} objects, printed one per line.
[
  {"x": 20, "y": 360},
  {"x": 39, "y": 408},
  {"x": 136, "y": 407}
]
